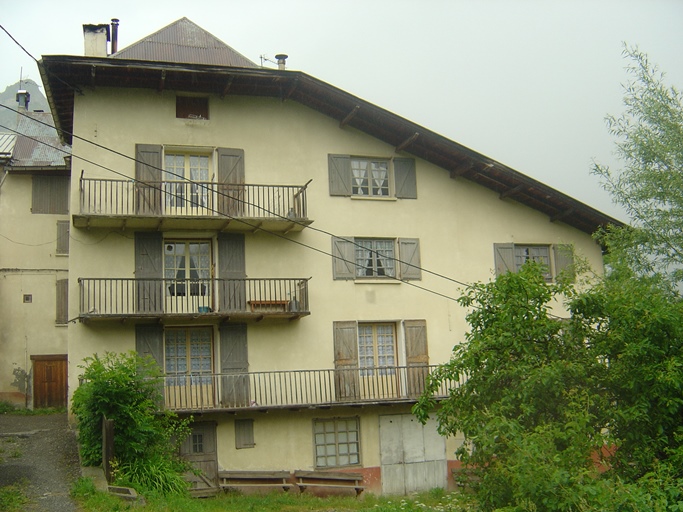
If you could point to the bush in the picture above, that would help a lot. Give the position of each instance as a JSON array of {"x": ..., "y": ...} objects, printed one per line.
[
  {"x": 6, "y": 407},
  {"x": 125, "y": 388}
]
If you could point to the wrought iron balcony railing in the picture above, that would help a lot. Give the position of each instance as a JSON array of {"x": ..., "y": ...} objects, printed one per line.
[
  {"x": 298, "y": 388},
  {"x": 103, "y": 201},
  {"x": 242, "y": 299}
]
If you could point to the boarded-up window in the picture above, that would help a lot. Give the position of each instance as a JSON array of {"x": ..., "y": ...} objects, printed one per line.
[
  {"x": 62, "y": 301},
  {"x": 187, "y": 107},
  {"x": 62, "y": 237},
  {"x": 50, "y": 194},
  {"x": 244, "y": 434}
]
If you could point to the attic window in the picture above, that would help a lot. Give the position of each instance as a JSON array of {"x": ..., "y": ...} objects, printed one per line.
[{"x": 188, "y": 107}]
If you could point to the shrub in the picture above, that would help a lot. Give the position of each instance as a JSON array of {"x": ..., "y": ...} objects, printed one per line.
[{"x": 125, "y": 388}]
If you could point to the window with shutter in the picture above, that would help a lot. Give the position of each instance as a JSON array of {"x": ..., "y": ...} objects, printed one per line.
[
  {"x": 555, "y": 259},
  {"x": 62, "y": 237},
  {"x": 50, "y": 195},
  {"x": 62, "y": 316},
  {"x": 375, "y": 258},
  {"x": 244, "y": 434},
  {"x": 372, "y": 177}
]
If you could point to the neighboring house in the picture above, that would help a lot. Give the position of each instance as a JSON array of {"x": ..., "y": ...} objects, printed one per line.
[
  {"x": 283, "y": 250},
  {"x": 34, "y": 249}
]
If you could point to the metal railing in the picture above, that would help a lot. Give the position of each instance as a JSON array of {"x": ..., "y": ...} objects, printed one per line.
[
  {"x": 297, "y": 388},
  {"x": 189, "y": 199},
  {"x": 129, "y": 296}
]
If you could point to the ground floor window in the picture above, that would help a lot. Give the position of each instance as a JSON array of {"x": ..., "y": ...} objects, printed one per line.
[
  {"x": 337, "y": 442},
  {"x": 188, "y": 355}
]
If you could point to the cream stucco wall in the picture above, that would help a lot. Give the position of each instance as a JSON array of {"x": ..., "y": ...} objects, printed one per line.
[
  {"x": 29, "y": 266},
  {"x": 456, "y": 221}
]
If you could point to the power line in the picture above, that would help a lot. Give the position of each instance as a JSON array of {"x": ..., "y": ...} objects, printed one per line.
[{"x": 273, "y": 233}]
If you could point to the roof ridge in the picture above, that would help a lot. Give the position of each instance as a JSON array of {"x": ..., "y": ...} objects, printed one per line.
[{"x": 184, "y": 41}]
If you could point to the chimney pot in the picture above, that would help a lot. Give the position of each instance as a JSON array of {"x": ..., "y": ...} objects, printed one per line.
[
  {"x": 23, "y": 98},
  {"x": 114, "y": 35},
  {"x": 281, "y": 60}
]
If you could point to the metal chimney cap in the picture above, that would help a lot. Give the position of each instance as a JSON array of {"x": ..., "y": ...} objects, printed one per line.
[{"x": 281, "y": 56}]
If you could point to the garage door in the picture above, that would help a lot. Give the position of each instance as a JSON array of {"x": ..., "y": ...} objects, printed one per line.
[{"x": 413, "y": 456}]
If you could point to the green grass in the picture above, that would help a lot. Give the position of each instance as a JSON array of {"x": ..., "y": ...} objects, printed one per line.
[
  {"x": 91, "y": 500},
  {"x": 9, "y": 408},
  {"x": 13, "y": 498}
]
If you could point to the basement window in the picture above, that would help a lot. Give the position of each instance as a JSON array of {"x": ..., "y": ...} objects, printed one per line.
[{"x": 190, "y": 107}]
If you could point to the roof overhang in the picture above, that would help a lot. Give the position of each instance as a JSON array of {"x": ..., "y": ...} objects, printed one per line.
[{"x": 66, "y": 76}]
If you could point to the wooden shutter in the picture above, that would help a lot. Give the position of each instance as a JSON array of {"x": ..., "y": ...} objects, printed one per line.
[
  {"x": 244, "y": 433},
  {"x": 417, "y": 355},
  {"x": 149, "y": 271},
  {"x": 343, "y": 258},
  {"x": 564, "y": 260},
  {"x": 50, "y": 194},
  {"x": 62, "y": 314},
  {"x": 405, "y": 178},
  {"x": 409, "y": 254},
  {"x": 339, "y": 168},
  {"x": 148, "y": 178},
  {"x": 234, "y": 365},
  {"x": 347, "y": 385},
  {"x": 63, "y": 237},
  {"x": 504, "y": 257},
  {"x": 149, "y": 341},
  {"x": 231, "y": 197},
  {"x": 231, "y": 272}
]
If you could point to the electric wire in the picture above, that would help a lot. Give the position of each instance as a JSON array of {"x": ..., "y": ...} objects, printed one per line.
[{"x": 252, "y": 225}]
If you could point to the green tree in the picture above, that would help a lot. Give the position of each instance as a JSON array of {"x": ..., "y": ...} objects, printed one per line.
[
  {"x": 527, "y": 406},
  {"x": 649, "y": 185}
]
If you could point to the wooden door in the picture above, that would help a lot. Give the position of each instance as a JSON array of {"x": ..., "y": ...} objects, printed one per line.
[
  {"x": 231, "y": 198},
  {"x": 50, "y": 377},
  {"x": 200, "y": 450},
  {"x": 235, "y": 391}
]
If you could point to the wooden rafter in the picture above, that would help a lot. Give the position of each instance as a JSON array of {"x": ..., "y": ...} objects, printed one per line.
[
  {"x": 349, "y": 116},
  {"x": 407, "y": 142},
  {"x": 162, "y": 81},
  {"x": 512, "y": 191}
]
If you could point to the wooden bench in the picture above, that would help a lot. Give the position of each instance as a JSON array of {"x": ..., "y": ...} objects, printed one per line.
[
  {"x": 329, "y": 479},
  {"x": 236, "y": 479}
]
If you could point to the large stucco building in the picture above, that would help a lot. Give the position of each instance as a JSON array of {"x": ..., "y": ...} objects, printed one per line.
[{"x": 286, "y": 251}]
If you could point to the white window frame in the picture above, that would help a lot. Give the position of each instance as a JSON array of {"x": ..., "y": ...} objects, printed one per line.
[
  {"x": 372, "y": 184},
  {"x": 175, "y": 375},
  {"x": 374, "y": 352}
]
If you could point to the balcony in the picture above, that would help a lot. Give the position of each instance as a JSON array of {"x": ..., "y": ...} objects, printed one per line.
[
  {"x": 129, "y": 204},
  {"x": 297, "y": 389},
  {"x": 238, "y": 300}
]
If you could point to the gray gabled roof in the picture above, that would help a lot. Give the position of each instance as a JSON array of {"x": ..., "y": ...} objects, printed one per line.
[
  {"x": 184, "y": 42},
  {"x": 38, "y": 146}
]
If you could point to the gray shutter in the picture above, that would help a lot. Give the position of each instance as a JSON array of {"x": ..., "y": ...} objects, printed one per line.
[
  {"x": 339, "y": 168},
  {"x": 63, "y": 237},
  {"x": 409, "y": 254},
  {"x": 149, "y": 341},
  {"x": 62, "y": 316},
  {"x": 504, "y": 257},
  {"x": 564, "y": 260},
  {"x": 234, "y": 365},
  {"x": 149, "y": 271},
  {"x": 343, "y": 258},
  {"x": 50, "y": 194},
  {"x": 347, "y": 385},
  {"x": 417, "y": 355},
  {"x": 405, "y": 178},
  {"x": 148, "y": 178},
  {"x": 231, "y": 272},
  {"x": 244, "y": 433},
  {"x": 231, "y": 199}
]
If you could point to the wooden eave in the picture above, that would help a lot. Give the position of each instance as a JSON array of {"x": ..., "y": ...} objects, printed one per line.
[{"x": 66, "y": 76}]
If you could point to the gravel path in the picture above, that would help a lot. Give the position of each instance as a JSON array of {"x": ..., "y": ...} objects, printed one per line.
[{"x": 43, "y": 455}]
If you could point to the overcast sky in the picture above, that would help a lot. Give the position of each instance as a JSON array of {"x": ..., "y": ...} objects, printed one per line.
[{"x": 525, "y": 82}]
